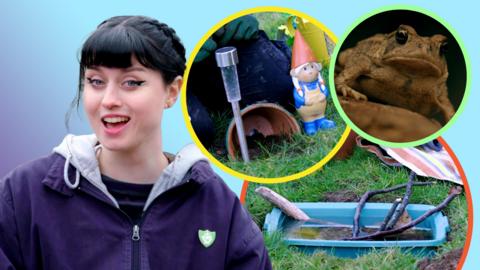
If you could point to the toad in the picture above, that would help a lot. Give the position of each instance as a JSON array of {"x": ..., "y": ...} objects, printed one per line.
[{"x": 401, "y": 69}]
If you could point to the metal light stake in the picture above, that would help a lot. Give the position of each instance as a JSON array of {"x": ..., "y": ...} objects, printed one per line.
[{"x": 227, "y": 60}]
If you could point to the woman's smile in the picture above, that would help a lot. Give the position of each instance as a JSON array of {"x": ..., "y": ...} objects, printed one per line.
[{"x": 114, "y": 124}]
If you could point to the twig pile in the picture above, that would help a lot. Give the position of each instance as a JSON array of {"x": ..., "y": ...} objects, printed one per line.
[
  {"x": 396, "y": 211},
  {"x": 452, "y": 194}
]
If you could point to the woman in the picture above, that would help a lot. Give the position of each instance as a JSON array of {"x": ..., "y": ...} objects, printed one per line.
[{"x": 114, "y": 200}]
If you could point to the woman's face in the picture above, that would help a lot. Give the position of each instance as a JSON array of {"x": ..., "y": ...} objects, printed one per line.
[{"x": 125, "y": 105}]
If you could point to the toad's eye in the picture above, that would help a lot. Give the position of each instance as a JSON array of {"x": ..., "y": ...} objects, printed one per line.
[
  {"x": 443, "y": 48},
  {"x": 133, "y": 83},
  {"x": 401, "y": 36}
]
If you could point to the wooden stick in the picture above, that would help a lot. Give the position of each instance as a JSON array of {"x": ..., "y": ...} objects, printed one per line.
[
  {"x": 406, "y": 198},
  {"x": 390, "y": 214},
  {"x": 285, "y": 205},
  {"x": 452, "y": 194},
  {"x": 368, "y": 194}
]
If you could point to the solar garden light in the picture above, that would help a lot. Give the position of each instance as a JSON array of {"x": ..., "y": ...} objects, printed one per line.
[{"x": 227, "y": 60}]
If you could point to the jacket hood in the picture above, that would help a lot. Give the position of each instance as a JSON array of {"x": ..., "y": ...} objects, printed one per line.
[{"x": 80, "y": 153}]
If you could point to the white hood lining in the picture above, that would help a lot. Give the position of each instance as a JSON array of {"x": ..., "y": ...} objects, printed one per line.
[{"x": 79, "y": 151}]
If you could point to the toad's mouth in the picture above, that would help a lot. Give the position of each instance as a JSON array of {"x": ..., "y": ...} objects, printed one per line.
[{"x": 415, "y": 65}]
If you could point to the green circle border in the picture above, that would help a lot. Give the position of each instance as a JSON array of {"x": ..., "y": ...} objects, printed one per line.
[{"x": 342, "y": 40}]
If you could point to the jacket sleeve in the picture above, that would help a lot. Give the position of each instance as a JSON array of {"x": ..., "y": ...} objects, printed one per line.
[
  {"x": 10, "y": 257},
  {"x": 246, "y": 248}
]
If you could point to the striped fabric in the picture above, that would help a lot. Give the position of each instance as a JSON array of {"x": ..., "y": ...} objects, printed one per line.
[
  {"x": 423, "y": 160},
  {"x": 427, "y": 162}
]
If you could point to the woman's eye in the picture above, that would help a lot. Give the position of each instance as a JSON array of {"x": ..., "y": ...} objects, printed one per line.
[
  {"x": 133, "y": 83},
  {"x": 95, "y": 82}
]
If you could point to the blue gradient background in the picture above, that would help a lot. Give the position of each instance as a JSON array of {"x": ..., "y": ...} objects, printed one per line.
[{"x": 39, "y": 69}]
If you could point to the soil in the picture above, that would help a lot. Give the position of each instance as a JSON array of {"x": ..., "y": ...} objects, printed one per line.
[
  {"x": 340, "y": 196},
  {"x": 447, "y": 261},
  {"x": 257, "y": 146},
  {"x": 258, "y": 142},
  {"x": 350, "y": 196}
]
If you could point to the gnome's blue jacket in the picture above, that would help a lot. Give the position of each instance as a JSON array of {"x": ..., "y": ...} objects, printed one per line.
[{"x": 306, "y": 86}]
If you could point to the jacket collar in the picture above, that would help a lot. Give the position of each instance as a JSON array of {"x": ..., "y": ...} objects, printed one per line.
[
  {"x": 79, "y": 152},
  {"x": 54, "y": 176}
]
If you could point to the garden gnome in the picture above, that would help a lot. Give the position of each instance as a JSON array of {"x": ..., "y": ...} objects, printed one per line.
[{"x": 310, "y": 93}]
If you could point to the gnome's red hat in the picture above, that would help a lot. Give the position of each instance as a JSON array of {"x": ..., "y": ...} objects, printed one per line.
[{"x": 301, "y": 52}]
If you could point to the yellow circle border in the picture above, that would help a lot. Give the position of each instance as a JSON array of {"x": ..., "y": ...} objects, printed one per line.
[{"x": 183, "y": 99}]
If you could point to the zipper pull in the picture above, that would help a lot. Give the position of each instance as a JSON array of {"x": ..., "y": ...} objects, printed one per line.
[{"x": 136, "y": 233}]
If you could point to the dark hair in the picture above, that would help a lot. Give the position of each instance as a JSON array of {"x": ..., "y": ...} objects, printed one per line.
[{"x": 154, "y": 44}]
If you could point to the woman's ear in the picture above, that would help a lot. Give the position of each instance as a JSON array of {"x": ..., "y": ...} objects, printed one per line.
[{"x": 173, "y": 90}]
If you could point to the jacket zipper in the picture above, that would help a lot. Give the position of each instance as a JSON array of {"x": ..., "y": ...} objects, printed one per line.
[
  {"x": 136, "y": 227},
  {"x": 136, "y": 247},
  {"x": 135, "y": 233},
  {"x": 136, "y": 262}
]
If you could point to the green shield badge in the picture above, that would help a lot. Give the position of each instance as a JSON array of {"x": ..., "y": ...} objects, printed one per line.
[{"x": 206, "y": 237}]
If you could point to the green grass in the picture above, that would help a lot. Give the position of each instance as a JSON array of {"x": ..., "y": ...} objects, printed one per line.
[
  {"x": 360, "y": 173},
  {"x": 284, "y": 257},
  {"x": 270, "y": 21}
]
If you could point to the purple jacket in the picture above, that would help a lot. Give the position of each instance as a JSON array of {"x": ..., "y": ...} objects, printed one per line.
[{"x": 47, "y": 222}]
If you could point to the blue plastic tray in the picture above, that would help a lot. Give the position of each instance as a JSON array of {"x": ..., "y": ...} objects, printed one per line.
[{"x": 372, "y": 213}]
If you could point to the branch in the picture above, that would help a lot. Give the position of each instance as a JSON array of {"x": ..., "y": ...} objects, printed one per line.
[
  {"x": 452, "y": 194},
  {"x": 368, "y": 194},
  {"x": 285, "y": 205},
  {"x": 406, "y": 198},
  {"x": 389, "y": 214}
]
